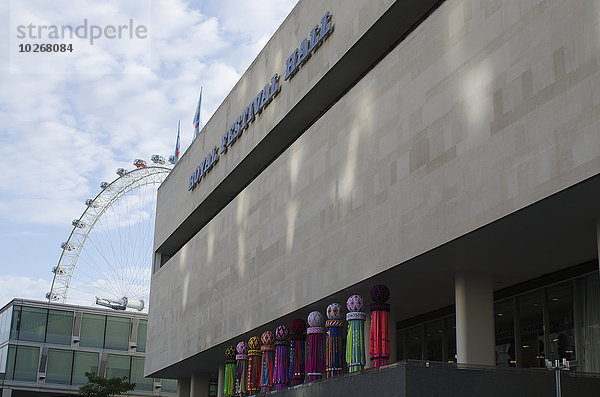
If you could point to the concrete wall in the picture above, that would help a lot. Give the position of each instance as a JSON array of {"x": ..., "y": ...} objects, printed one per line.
[
  {"x": 418, "y": 380},
  {"x": 350, "y": 18},
  {"x": 488, "y": 106}
]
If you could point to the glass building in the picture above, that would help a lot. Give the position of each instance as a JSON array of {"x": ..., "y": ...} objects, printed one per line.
[{"x": 46, "y": 349}]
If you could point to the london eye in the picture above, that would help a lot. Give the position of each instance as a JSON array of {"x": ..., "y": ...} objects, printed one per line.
[{"x": 107, "y": 257}]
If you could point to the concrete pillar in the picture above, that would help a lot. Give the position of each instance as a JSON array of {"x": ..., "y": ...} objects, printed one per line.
[
  {"x": 199, "y": 384},
  {"x": 393, "y": 337},
  {"x": 367, "y": 338},
  {"x": 220, "y": 380},
  {"x": 475, "y": 334},
  {"x": 183, "y": 387}
]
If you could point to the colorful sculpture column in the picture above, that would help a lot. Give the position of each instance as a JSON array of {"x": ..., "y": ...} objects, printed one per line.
[
  {"x": 241, "y": 372},
  {"x": 333, "y": 343},
  {"x": 282, "y": 357},
  {"x": 379, "y": 338},
  {"x": 229, "y": 382},
  {"x": 253, "y": 379},
  {"x": 315, "y": 364},
  {"x": 297, "y": 364},
  {"x": 355, "y": 342},
  {"x": 268, "y": 359}
]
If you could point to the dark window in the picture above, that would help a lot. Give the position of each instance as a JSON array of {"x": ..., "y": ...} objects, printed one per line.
[
  {"x": 92, "y": 330},
  {"x": 60, "y": 327}
]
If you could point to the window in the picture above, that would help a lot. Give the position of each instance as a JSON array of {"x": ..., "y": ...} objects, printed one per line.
[
  {"x": 32, "y": 326},
  {"x": 117, "y": 333},
  {"x": 10, "y": 362},
  {"x": 59, "y": 365},
  {"x": 26, "y": 363},
  {"x": 16, "y": 318},
  {"x": 3, "y": 356},
  {"x": 60, "y": 327},
  {"x": 587, "y": 319},
  {"x": 561, "y": 338},
  {"x": 141, "y": 335},
  {"x": 92, "y": 330},
  {"x": 434, "y": 340},
  {"x": 117, "y": 365},
  {"x": 137, "y": 375},
  {"x": 531, "y": 329},
  {"x": 505, "y": 333},
  {"x": 83, "y": 362},
  {"x": 5, "y": 318},
  {"x": 168, "y": 386},
  {"x": 414, "y": 343}
]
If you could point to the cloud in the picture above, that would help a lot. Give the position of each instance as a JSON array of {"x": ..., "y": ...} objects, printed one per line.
[
  {"x": 65, "y": 130},
  {"x": 68, "y": 121},
  {"x": 22, "y": 287}
]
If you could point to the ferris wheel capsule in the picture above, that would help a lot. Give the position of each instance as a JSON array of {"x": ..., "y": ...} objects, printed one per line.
[
  {"x": 67, "y": 246},
  {"x": 58, "y": 270},
  {"x": 104, "y": 185},
  {"x": 121, "y": 171},
  {"x": 158, "y": 159},
  {"x": 77, "y": 223},
  {"x": 172, "y": 159},
  {"x": 90, "y": 203},
  {"x": 139, "y": 163}
]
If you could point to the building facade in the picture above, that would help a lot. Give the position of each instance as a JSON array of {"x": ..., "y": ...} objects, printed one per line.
[
  {"x": 46, "y": 349},
  {"x": 448, "y": 149}
]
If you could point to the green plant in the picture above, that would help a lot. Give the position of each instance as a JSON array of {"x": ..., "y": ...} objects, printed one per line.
[{"x": 99, "y": 386}]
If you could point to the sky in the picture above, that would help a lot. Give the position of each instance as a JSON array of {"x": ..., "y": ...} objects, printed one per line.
[{"x": 69, "y": 120}]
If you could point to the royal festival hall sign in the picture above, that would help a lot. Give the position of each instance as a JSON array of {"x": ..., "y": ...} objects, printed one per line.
[{"x": 293, "y": 63}]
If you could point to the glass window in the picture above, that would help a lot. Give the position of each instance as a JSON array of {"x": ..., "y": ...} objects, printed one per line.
[
  {"x": 117, "y": 333},
  {"x": 10, "y": 362},
  {"x": 83, "y": 362},
  {"x": 212, "y": 388},
  {"x": 16, "y": 319},
  {"x": 137, "y": 374},
  {"x": 92, "y": 330},
  {"x": 414, "y": 343},
  {"x": 505, "y": 333},
  {"x": 58, "y": 367},
  {"x": 26, "y": 363},
  {"x": 449, "y": 339},
  {"x": 401, "y": 345},
  {"x": 33, "y": 324},
  {"x": 5, "y": 318},
  {"x": 60, "y": 327},
  {"x": 141, "y": 335},
  {"x": 587, "y": 319},
  {"x": 433, "y": 335},
  {"x": 117, "y": 366},
  {"x": 560, "y": 312},
  {"x": 168, "y": 386},
  {"x": 3, "y": 354},
  {"x": 531, "y": 330}
]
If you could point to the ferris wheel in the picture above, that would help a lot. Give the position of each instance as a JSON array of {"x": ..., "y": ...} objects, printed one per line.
[{"x": 107, "y": 258}]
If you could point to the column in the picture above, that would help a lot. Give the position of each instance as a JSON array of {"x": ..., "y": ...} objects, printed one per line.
[
  {"x": 475, "y": 334},
  {"x": 6, "y": 392},
  {"x": 199, "y": 384},
  {"x": 220, "y": 380},
  {"x": 367, "y": 338},
  {"x": 183, "y": 387},
  {"x": 393, "y": 337}
]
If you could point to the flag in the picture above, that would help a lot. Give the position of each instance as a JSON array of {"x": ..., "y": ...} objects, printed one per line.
[
  {"x": 177, "y": 144},
  {"x": 197, "y": 120}
]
